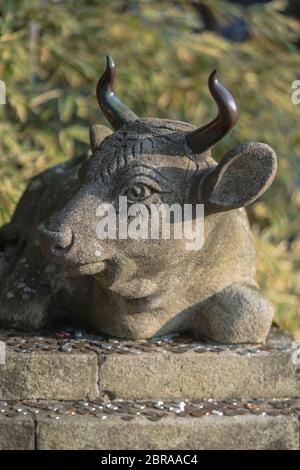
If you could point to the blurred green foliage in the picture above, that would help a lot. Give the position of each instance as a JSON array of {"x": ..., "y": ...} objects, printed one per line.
[{"x": 52, "y": 53}]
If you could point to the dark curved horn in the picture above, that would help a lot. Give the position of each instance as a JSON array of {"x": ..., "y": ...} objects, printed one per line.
[
  {"x": 207, "y": 136},
  {"x": 114, "y": 110}
]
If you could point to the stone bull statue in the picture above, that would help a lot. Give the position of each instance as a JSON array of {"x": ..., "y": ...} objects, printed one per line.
[{"x": 55, "y": 269}]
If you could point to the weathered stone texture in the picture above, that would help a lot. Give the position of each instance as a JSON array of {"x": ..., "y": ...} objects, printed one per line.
[
  {"x": 17, "y": 433},
  {"x": 200, "y": 376},
  {"x": 52, "y": 376},
  {"x": 211, "y": 432}
]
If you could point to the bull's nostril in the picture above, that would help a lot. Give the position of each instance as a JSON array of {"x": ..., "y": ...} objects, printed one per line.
[
  {"x": 64, "y": 239},
  {"x": 60, "y": 240}
]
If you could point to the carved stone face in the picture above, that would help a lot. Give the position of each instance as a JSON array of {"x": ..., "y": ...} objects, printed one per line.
[{"x": 147, "y": 162}]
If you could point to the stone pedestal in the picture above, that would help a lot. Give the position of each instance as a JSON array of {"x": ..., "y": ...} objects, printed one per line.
[{"x": 76, "y": 391}]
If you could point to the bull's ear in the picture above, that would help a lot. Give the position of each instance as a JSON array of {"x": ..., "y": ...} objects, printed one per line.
[
  {"x": 97, "y": 134},
  {"x": 241, "y": 176}
]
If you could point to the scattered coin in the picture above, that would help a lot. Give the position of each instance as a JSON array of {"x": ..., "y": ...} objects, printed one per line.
[
  {"x": 127, "y": 417},
  {"x": 197, "y": 413},
  {"x": 66, "y": 347}
]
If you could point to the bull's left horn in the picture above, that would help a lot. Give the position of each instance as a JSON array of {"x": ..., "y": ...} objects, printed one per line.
[
  {"x": 114, "y": 110},
  {"x": 207, "y": 136}
]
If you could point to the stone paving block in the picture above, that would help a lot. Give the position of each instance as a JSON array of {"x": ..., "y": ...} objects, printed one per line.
[
  {"x": 219, "y": 375},
  {"x": 17, "y": 433},
  {"x": 208, "y": 432},
  {"x": 53, "y": 376}
]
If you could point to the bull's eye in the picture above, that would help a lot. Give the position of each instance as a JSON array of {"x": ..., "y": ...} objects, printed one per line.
[{"x": 138, "y": 192}]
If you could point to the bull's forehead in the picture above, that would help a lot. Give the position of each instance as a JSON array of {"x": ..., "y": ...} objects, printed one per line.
[{"x": 147, "y": 143}]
